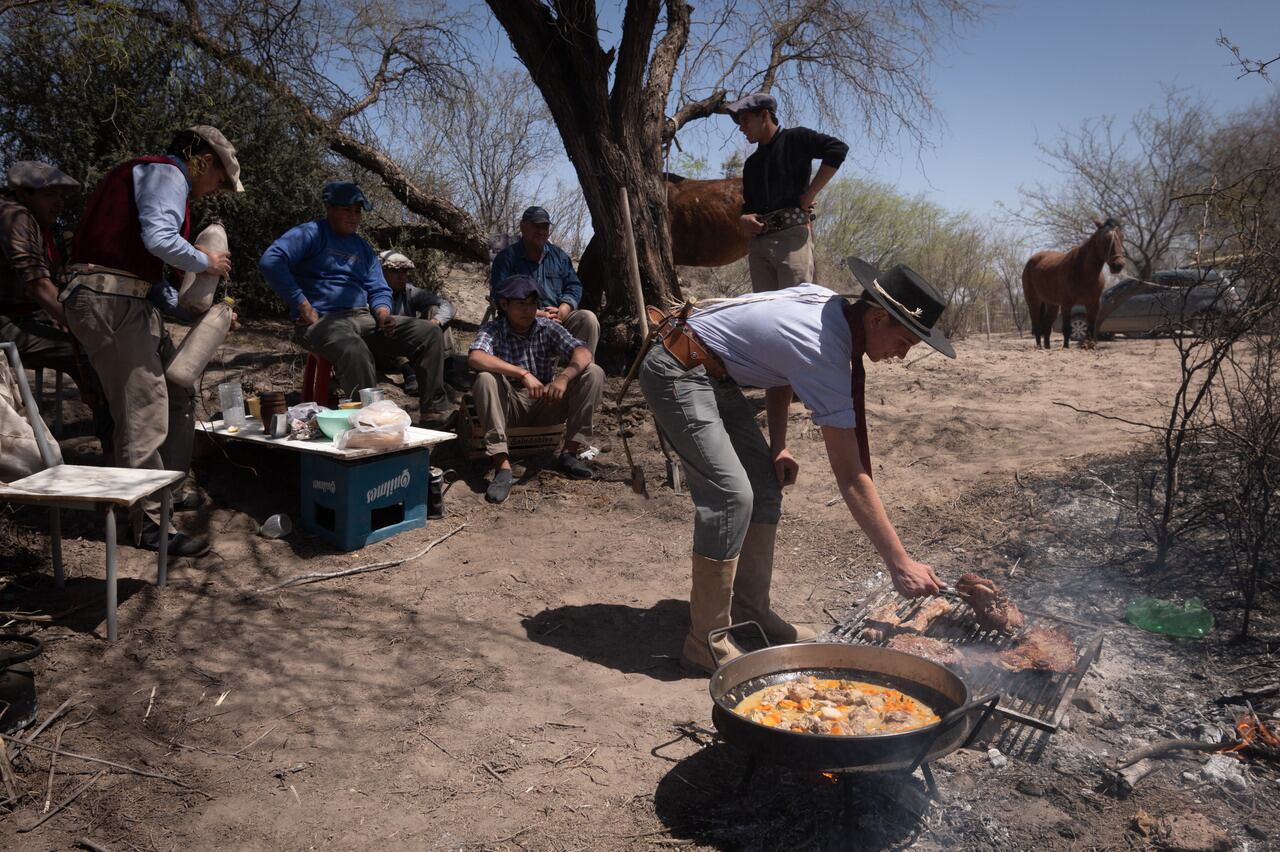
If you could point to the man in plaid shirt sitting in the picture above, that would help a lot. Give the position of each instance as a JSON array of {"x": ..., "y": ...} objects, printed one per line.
[{"x": 515, "y": 357}]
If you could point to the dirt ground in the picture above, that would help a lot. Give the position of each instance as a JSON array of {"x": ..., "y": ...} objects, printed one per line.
[{"x": 518, "y": 686}]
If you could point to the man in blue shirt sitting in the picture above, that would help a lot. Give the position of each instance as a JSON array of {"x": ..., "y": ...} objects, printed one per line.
[
  {"x": 515, "y": 357},
  {"x": 332, "y": 281},
  {"x": 559, "y": 290}
]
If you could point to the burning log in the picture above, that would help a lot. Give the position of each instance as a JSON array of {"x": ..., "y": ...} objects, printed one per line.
[{"x": 1257, "y": 738}]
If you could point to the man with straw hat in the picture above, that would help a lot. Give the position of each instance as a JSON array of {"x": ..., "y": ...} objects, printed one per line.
[
  {"x": 136, "y": 224},
  {"x": 805, "y": 339}
]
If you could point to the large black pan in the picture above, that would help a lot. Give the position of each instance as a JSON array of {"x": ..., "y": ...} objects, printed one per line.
[{"x": 924, "y": 680}]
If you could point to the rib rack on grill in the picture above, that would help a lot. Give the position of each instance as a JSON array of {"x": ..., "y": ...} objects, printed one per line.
[{"x": 991, "y": 605}]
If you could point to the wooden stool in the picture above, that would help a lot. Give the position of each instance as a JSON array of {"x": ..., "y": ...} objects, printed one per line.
[{"x": 315, "y": 381}]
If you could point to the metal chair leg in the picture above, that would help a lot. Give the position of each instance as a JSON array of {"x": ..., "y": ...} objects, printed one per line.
[
  {"x": 55, "y": 546},
  {"x": 162, "y": 566},
  {"x": 111, "y": 572}
]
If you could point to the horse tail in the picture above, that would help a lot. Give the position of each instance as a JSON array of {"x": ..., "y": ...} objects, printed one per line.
[{"x": 1044, "y": 314}]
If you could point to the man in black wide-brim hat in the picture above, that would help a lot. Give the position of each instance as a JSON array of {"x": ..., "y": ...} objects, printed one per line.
[{"x": 805, "y": 339}]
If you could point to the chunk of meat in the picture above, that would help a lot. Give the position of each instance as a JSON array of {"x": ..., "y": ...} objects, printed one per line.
[
  {"x": 927, "y": 613},
  {"x": 922, "y": 646},
  {"x": 1043, "y": 649},
  {"x": 800, "y": 691},
  {"x": 881, "y": 622},
  {"x": 990, "y": 604}
]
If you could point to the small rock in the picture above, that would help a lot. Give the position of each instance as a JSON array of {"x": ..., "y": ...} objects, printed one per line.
[
  {"x": 1206, "y": 733},
  {"x": 998, "y": 760},
  {"x": 1220, "y": 769},
  {"x": 1087, "y": 702},
  {"x": 1065, "y": 723},
  {"x": 1190, "y": 777},
  {"x": 1029, "y": 787}
]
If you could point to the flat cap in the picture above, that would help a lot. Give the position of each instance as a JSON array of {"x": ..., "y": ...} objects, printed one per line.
[
  {"x": 518, "y": 287},
  {"x": 392, "y": 259},
  {"x": 536, "y": 216},
  {"x": 33, "y": 174},
  {"x": 343, "y": 193},
  {"x": 226, "y": 153},
  {"x": 752, "y": 103}
]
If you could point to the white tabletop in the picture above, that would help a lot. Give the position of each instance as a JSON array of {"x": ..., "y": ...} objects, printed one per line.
[
  {"x": 414, "y": 437},
  {"x": 84, "y": 483}
]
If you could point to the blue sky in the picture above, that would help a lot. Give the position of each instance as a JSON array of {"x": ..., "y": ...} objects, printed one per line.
[{"x": 1028, "y": 70}]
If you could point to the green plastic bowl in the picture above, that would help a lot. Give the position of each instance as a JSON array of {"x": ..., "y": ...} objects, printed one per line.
[{"x": 334, "y": 423}]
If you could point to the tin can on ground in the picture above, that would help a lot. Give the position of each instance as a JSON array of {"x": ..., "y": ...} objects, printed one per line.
[{"x": 435, "y": 494}]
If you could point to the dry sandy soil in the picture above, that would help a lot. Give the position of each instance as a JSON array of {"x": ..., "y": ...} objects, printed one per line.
[{"x": 514, "y": 688}]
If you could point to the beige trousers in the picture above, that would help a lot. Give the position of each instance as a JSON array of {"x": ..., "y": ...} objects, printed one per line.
[
  {"x": 585, "y": 326},
  {"x": 500, "y": 404},
  {"x": 127, "y": 345},
  {"x": 781, "y": 259}
]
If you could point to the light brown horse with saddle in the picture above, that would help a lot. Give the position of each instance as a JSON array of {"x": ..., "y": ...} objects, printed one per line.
[{"x": 1055, "y": 279}]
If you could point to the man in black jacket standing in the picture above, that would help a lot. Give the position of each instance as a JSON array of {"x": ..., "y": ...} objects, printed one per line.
[{"x": 778, "y": 190}]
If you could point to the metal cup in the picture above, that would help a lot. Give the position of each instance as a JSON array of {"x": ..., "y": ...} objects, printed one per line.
[
  {"x": 435, "y": 494},
  {"x": 280, "y": 425},
  {"x": 368, "y": 396}
]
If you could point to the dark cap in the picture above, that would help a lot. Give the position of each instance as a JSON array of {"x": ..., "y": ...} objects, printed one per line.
[
  {"x": 752, "y": 103},
  {"x": 344, "y": 193},
  {"x": 32, "y": 174},
  {"x": 536, "y": 216},
  {"x": 518, "y": 287},
  {"x": 908, "y": 298}
]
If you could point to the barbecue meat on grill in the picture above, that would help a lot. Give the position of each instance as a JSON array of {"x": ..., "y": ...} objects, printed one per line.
[
  {"x": 881, "y": 622},
  {"x": 928, "y": 612},
  {"x": 922, "y": 646},
  {"x": 1042, "y": 649},
  {"x": 991, "y": 606}
]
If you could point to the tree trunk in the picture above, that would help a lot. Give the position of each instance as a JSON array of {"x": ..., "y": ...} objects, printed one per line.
[{"x": 613, "y": 138}]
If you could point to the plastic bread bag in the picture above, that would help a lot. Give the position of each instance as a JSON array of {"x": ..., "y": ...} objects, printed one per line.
[{"x": 378, "y": 426}]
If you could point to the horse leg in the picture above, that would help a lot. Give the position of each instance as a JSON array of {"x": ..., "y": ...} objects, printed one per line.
[
  {"x": 1034, "y": 310},
  {"x": 1050, "y": 315},
  {"x": 1066, "y": 325},
  {"x": 1091, "y": 316}
]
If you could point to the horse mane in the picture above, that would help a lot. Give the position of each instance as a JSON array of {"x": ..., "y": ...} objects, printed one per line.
[{"x": 673, "y": 177}]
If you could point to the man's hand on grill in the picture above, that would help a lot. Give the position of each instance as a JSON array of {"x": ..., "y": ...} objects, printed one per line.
[{"x": 915, "y": 579}]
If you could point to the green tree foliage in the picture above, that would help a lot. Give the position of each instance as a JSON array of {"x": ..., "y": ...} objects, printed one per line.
[{"x": 88, "y": 92}]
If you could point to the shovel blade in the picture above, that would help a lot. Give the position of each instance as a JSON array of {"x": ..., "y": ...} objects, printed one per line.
[{"x": 637, "y": 480}]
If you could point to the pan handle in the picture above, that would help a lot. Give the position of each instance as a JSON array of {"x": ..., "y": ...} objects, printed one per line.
[
  {"x": 22, "y": 656},
  {"x": 954, "y": 718},
  {"x": 713, "y": 635}
]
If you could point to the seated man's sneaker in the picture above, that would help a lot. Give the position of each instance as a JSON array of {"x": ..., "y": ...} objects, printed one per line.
[
  {"x": 437, "y": 418},
  {"x": 191, "y": 501},
  {"x": 410, "y": 383},
  {"x": 500, "y": 488},
  {"x": 573, "y": 467},
  {"x": 180, "y": 544}
]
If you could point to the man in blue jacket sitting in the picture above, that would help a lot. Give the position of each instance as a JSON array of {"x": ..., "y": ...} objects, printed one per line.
[{"x": 332, "y": 281}]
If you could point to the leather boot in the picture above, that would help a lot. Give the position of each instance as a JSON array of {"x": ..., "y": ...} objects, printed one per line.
[
  {"x": 709, "y": 603},
  {"x": 751, "y": 588}
]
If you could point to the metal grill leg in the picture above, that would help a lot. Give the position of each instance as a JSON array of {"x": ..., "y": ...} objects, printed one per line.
[
  {"x": 929, "y": 782},
  {"x": 111, "y": 572},
  {"x": 162, "y": 565}
]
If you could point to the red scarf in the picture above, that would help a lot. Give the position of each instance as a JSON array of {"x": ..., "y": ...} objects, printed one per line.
[{"x": 856, "y": 314}]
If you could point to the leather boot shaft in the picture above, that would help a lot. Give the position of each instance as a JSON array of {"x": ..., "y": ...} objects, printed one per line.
[
  {"x": 751, "y": 588},
  {"x": 710, "y": 605}
]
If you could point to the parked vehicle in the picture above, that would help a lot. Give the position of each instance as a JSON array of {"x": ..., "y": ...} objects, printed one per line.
[{"x": 1173, "y": 300}]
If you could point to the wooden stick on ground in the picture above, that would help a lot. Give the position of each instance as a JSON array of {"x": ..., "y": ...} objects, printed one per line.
[
  {"x": 46, "y": 723},
  {"x": 302, "y": 579},
  {"x": 6, "y": 774},
  {"x": 65, "y": 802},
  {"x": 133, "y": 769},
  {"x": 1164, "y": 748},
  {"x": 53, "y": 762}
]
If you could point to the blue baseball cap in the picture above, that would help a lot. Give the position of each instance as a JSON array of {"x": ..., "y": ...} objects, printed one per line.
[
  {"x": 518, "y": 287},
  {"x": 344, "y": 193}
]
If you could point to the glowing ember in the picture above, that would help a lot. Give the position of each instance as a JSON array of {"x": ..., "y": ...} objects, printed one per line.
[{"x": 1256, "y": 735}]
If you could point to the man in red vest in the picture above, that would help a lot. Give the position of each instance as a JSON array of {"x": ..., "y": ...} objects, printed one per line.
[{"x": 135, "y": 224}]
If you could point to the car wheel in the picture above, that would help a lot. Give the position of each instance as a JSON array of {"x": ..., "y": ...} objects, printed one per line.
[{"x": 1079, "y": 328}]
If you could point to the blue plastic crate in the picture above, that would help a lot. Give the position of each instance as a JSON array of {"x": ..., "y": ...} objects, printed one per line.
[{"x": 354, "y": 503}]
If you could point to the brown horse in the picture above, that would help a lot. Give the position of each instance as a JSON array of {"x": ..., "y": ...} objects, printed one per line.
[
  {"x": 1054, "y": 279},
  {"x": 704, "y": 229}
]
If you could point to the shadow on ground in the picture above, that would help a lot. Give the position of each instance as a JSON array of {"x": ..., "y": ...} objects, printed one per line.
[
  {"x": 626, "y": 638},
  {"x": 701, "y": 799}
]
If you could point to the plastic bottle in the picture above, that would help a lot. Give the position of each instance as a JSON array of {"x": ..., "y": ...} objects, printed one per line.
[
  {"x": 276, "y": 526},
  {"x": 196, "y": 349},
  {"x": 1189, "y": 620},
  {"x": 231, "y": 399},
  {"x": 197, "y": 290}
]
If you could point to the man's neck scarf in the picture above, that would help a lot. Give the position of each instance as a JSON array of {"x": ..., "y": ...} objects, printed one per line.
[{"x": 856, "y": 315}]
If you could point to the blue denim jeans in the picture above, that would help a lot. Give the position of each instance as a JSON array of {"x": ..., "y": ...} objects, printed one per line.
[{"x": 726, "y": 459}]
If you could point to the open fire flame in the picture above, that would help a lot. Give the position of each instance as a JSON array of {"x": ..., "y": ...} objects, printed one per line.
[{"x": 1255, "y": 735}]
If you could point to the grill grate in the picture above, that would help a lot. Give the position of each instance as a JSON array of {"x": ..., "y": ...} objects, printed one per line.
[{"x": 1038, "y": 699}]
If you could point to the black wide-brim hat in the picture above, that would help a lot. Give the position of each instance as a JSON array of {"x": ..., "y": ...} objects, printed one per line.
[{"x": 908, "y": 298}]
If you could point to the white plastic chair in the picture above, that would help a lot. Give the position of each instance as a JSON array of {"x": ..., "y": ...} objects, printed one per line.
[{"x": 86, "y": 488}]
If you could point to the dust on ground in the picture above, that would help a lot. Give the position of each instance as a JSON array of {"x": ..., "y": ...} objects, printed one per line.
[{"x": 518, "y": 687}]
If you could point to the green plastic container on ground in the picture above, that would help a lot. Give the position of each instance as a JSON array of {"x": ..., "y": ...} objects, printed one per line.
[{"x": 1188, "y": 620}]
